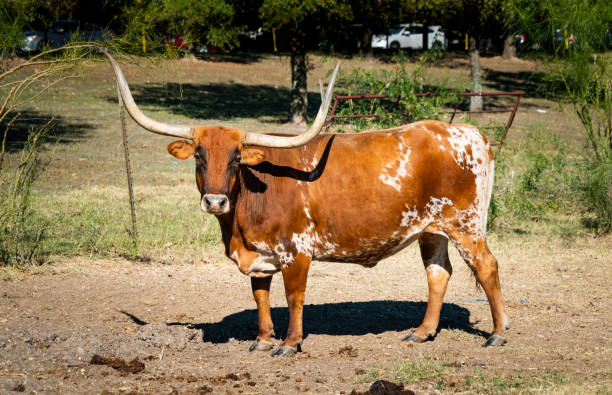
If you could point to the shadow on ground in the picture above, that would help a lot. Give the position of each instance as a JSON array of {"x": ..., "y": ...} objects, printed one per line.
[
  {"x": 336, "y": 319},
  {"x": 61, "y": 130},
  {"x": 532, "y": 84},
  {"x": 220, "y": 101},
  {"x": 233, "y": 57}
]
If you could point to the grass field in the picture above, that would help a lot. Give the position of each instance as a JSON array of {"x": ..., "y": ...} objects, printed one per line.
[{"x": 81, "y": 201}]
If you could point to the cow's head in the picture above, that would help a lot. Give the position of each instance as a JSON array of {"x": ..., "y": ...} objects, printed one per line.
[
  {"x": 218, "y": 154},
  {"x": 219, "y": 151}
]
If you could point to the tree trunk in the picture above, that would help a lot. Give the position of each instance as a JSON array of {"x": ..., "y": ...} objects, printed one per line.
[
  {"x": 425, "y": 37},
  {"x": 299, "y": 94},
  {"x": 365, "y": 48},
  {"x": 509, "y": 47},
  {"x": 475, "y": 101}
]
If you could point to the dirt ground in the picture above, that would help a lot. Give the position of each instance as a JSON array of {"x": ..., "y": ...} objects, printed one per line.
[{"x": 189, "y": 326}]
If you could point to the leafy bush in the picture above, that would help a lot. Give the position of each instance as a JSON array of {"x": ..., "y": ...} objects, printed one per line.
[
  {"x": 403, "y": 105},
  {"x": 20, "y": 229},
  {"x": 581, "y": 71},
  {"x": 14, "y": 15},
  {"x": 540, "y": 180},
  {"x": 534, "y": 181},
  {"x": 597, "y": 192}
]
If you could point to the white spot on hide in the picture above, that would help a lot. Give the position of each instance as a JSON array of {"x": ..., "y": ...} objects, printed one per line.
[
  {"x": 285, "y": 258},
  {"x": 394, "y": 172},
  {"x": 264, "y": 263}
]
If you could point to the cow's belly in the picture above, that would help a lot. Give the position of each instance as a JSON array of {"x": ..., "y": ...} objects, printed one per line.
[{"x": 365, "y": 251}]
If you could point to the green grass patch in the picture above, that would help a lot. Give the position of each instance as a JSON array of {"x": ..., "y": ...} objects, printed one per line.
[
  {"x": 428, "y": 372},
  {"x": 425, "y": 370},
  {"x": 544, "y": 181},
  {"x": 519, "y": 383},
  {"x": 372, "y": 374},
  {"x": 101, "y": 224}
]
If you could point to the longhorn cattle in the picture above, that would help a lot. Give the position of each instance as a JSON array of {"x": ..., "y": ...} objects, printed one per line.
[{"x": 284, "y": 201}]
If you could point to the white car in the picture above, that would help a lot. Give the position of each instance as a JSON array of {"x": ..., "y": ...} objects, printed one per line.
[{"x": 410, "y": 36}]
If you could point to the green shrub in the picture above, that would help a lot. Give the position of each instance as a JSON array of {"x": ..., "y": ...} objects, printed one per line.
[
  {"x": 534, "y": 181},
  {"x": 403, "y": 105},
  {"x": 20, "y": 229},
  {"x": 597, "y": 195},
  {"x": 580, "y": 74},
  {"x": 541, "y": 180}
]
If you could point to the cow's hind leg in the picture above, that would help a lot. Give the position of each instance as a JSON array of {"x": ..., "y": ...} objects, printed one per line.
[
  {"x": 434, "y": 251},
  {"x": 294, "y": 276},
  {"x": 475, "y": 252},
  {"x": 261, "y": 293}
]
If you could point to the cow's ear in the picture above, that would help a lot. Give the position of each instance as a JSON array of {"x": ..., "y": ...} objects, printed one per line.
[
  {"x": 181, "y": 149},
  {"x": 252, "y": 155}
]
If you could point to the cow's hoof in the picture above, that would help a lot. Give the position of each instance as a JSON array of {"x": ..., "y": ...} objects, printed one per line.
[
  {"x": 284, "y": 351},
  {"x": 494, "y": 340},
  {"x": 261, "y": 345},
  {"x": 414, "y": 338}
]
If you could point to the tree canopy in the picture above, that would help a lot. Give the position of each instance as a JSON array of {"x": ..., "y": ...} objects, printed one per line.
[{"x": 302, "y": 21}]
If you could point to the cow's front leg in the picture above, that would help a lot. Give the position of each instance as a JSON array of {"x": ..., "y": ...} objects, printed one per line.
[
  {"x": 294, "y": 276},
  {"x": 261, "y": 293}
]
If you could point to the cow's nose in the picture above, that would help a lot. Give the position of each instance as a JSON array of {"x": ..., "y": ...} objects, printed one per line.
[{"x": 214, "y": 203}]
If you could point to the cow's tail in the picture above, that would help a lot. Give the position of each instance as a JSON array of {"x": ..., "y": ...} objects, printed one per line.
[{"x": 488, "y": 178}]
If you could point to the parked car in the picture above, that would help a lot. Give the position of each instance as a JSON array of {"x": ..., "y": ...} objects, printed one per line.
[
  {"x": 524, "y": 43},
  {"x": 178, "y": 41},
  {"x": 61, "y": 32},
  {"x": 33, "y": 42},
  {"x": 255, "y": 40},
  {"x": 410, "y": 36},
  {"x": 175, "y": 41},
  {"x": 559, "y": 37}
]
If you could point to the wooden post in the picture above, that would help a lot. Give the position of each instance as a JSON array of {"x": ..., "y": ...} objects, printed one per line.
[
  {"x": 274, "y": 38},
  {"x": 144, "y": 45}
]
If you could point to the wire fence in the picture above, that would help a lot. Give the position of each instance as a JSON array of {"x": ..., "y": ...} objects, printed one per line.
[
  {"x": 110, "y": 118},
  {"x": 510, "y": 109}
]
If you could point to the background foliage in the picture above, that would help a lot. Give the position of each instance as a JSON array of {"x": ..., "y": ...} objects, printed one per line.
[{"x": 580, "y": 74}]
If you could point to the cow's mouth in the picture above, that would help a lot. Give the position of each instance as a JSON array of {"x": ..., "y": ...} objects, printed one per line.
[{"x": 216, "y": 211}]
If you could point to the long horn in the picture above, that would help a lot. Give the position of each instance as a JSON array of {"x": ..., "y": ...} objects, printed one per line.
[
  {"x": 152, "y": 125},
  {"x": 296, "y": 141}
]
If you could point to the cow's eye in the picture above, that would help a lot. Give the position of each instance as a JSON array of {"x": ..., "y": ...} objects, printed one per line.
[
  {"x": 199, "y": 158},
  {"x": 235, "y": 158}
]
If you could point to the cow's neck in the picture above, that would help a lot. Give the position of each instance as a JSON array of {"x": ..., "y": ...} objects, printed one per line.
[{"x": 226, "y": 222}]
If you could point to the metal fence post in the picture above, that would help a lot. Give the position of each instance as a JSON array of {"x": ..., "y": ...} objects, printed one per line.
[{"x": 128, "y": 169}]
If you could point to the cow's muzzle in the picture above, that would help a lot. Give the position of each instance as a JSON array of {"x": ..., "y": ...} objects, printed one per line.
[{"x": 215, "y": 204}]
